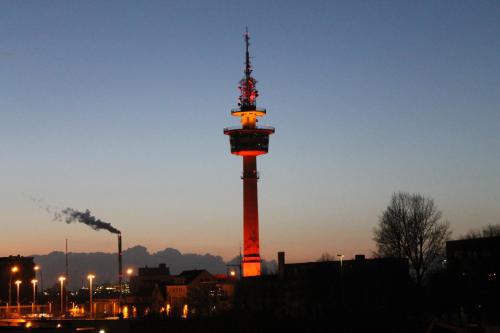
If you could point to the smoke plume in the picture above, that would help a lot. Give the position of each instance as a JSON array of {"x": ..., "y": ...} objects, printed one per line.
[{"x": 70, "y": 215}]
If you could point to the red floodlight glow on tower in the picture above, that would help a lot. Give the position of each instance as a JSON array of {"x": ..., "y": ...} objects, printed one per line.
[{"x": 249, "y": 141}]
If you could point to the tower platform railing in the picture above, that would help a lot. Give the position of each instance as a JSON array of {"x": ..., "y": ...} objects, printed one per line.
[
  {"x": 232, "y": 128},
  {"x": 249, "y": 110}
]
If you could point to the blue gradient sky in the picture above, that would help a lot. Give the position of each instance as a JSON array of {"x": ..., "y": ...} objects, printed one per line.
[{"x": 118, "y": 107}]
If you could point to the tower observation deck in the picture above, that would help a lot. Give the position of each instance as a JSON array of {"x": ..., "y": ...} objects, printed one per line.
[{"x": 249, "y": 141}]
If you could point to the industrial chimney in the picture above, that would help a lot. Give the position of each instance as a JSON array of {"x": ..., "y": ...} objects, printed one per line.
[{"x": 120, "y": 263}]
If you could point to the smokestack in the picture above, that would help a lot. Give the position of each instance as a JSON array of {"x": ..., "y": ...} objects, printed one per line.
[
  {"x": 281, "y": 265},
  {"x": 120, "y": 263},
  {"x": 67, "y": 275}
]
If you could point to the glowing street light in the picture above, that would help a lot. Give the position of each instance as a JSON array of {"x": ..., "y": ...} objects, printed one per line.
[
  {"x": 34, "y": 282},
  {"x": 130, "y": 271},
  {"x": 341, "y": 257},
  {"x": 91, "y": 277},
  {"x": 61, "y": 279},
  {"x": 36, "y": 269},
  {"x": 13, "y": 270},
  {"x": 18, "y": 282}
]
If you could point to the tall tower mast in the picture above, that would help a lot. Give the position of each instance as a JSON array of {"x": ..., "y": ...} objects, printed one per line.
[{"x": 249, "y": 141}]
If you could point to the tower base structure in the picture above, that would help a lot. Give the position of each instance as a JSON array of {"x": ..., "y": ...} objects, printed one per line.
[{"x": 250, "y": 268}]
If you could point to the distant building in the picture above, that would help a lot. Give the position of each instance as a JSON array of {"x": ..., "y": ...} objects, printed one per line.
[
  {"x": 154, "y": 291},
  {"x": 476, "y": 260},
  {"x": 318, "y": 290},
  {"x": 147, "y": 277},
  {"x": 473, "y": 267},
  {"x": 192, "y": 290},
  {"x": 106, "y": 307},
  {"x": 147, "y": 290},
  {"x": 12, "y": 269}
]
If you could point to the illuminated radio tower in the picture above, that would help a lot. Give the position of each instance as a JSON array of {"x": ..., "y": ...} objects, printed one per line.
[{"x": 249, "y": 141}]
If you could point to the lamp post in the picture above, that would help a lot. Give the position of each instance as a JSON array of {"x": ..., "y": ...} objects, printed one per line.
[
  {"x": 61, "y": 279},
  {"x": 34, "y": 282},
  {"x": 39, "y": 272},
  {"x": 130, "y": 271},
  {"x": 341, "y": 257},
  {"x": 12, "y": 271},
  {"x": 18, "y": 283},
  {"x": 91, "y": 277}
]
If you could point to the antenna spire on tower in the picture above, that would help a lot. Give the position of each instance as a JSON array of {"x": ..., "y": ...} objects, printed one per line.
[
  {"x": 249, "y": 93},
  {"x": 248, "y": 66}
]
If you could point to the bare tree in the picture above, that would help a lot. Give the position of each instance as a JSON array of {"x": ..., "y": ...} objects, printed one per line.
[
  {"x": 491, "y": 230},
  {"x": 411, "y": 227},
  {"x": 325, "y": 256}
]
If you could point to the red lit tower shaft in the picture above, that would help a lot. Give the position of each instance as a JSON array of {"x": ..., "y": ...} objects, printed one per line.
[{"x": 251, "y": 249}]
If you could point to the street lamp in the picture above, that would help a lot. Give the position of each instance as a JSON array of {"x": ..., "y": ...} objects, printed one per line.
[
  {"x": 12, "y": 271},
  {"x": 90, "y": 277},
  {"x": 130, "y": 271},
  {"x": 18, "y": 282},
  {"x": 37, "y": 269},
  {"x": 341, "y": 257},
  {"x": 34, "y": 282},
  {"x": 61, "y": 279}
]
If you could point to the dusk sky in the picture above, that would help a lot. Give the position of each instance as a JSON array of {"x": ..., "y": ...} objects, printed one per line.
[{"x": 118, "y": 107}]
